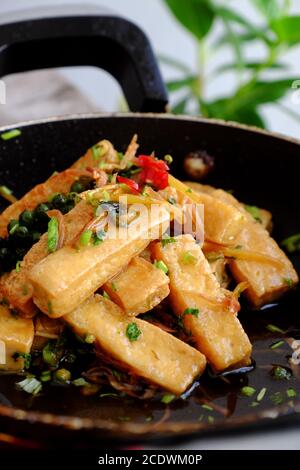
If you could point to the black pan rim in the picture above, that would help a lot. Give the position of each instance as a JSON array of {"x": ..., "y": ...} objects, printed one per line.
[
  {"x": 163, "y": 116},
  {"x": 146, "y": 431}
]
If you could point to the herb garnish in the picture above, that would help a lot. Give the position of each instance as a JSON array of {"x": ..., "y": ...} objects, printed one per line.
[
  {"x": 85, "y": 237},
  {"x": 133, "y": 332},
  {"x": 188, "y": 311},
  {"x": 52, "y": 235},
  {"x": 188, "y": 258},
  {"x": 280, "y": 373},
  {"x": 247, "y": 391},
  {"x": 167, "y": 398},
  {"x": 159, "y": 264},
  {"x": 166, "y": 239},
  {"x": 274, "y": 328},
  {"x": 30, "y": 385},
  {"x": 255, "y": 212},
  {"x": 288, "y": 281},
  {"x": 292, "y": 243},
  {"x": 277, "y": 398},
  {"x": 11, "y": 134},
  {"x": 25, "y": 356},
  {"x": 261, "y": 394},
  {"x": 291, "y": 393},
  {"x": 18, "y": 266},
  {"x": 277, "y": 344}
]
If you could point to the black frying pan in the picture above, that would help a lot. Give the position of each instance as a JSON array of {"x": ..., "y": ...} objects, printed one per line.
[{"x": 262, "y": 169}]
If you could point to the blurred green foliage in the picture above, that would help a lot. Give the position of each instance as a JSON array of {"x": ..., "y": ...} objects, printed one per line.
[{"x": 216, "y": 25}]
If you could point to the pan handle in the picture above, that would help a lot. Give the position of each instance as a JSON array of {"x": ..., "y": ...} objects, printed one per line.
[{"x": 109, "y": 42}]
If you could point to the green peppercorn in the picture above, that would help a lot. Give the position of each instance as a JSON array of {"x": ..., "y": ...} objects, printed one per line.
[
  {"x": 26, "y": 218},
  {"x": 21, "y": 232},
  {"x": 63, "y": 375},
  {"x": 77, "y": 187},
  {"x": 59, "y": 201}
]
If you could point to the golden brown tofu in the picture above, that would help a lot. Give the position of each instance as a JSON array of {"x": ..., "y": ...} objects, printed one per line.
[
  {"x": 15, "y": 286},
  {"x": 16, "y": 336},
  {"x": 70, "y": 275},
  {"x": 213, "y": 325},
  {"x": 222, "y": 222},
  {"x": 139, "y": 288},
  {"x": 267, "y": 281},
  {"x": 155, "y": 355},
  {"x": 60, "y": 183}
]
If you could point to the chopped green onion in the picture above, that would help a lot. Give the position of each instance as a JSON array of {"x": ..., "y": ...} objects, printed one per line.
[
  {"x": 109, "y": 394},
  {"x": 5, "y": 191},
  {"x": 98, "y": 237},
  {"x": 63, "y": 375},
  {"x": 161, "y": 265},
  {"x": 49, "y": 355},
  {"x": 188, "y": 258},
  {"x": 291, "y": 393},
  {"x": 25, "y": 356},
  {"x": 248, "y": 391},
  {"x": 97, "y": 151},
  {"x": 261, "y": 394},
  {"x": 277, "y": 398},
  {"x": 114, "y": 287},
  {"x": 106, "y": 295},
  {"x": 120, "y": 156},
  {"x": 30, "y": 385},
  {"x": 254, "y": 404},
  {"x": 133, "y": 332},
  {"x": 18, "y": 266},
  {"x": 255, "y": 212},
  {"x": 277, "y": 344},
  {"x": 45, "y": 376},
  {"x": 207, "y": 407},
  {"x": 168, "y": 158},
  {"x": 90, "y": 339},
  {"x": 292, "y": 244},
  {"x": 52, "y": 235},
  {"x": 80, "y": 382},
  {"x": 148, "y": 419},
  {"x": 210, "y": 419},
  {"x": 280, "y": 373},
  {"x": 85, "y": 237},
  {"x": 11, "y": 134},
  {"x": 167, "y": 398},
  {"x": 189, "y": 191},
  {"x": 274, "y": 329},
  {"x": 166, "y": 239},
  {"x": 191, "y": 311},
  {"x": 288, "y": 281}
]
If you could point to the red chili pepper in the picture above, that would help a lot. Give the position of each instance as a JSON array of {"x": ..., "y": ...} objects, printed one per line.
[
  {"x": 155, "y": 172},
  {"x": 146, "y": 161},
  {"x": 132, "y": 185}
]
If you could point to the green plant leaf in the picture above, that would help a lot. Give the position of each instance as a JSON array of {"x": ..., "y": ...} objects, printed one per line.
[
  {"x": 248, "y": 65},
  {"x": 269, "y": 8},
  {"x": 173, "y": 63},
  {"x": 231, "y": 15},
  {"x": 262, "y": 92},
  {"x": 179, "y": 107},
  {"x": 174, "y": 85},
  {"x": 287, "y": 29},
  {"x": 196, "y": 16},
  {"x": 249, "y": 116}
]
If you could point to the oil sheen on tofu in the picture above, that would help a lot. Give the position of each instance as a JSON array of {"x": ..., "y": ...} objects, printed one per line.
[
  {"x": 215, "y": 329},
  {"x": 155, "y": 355}
]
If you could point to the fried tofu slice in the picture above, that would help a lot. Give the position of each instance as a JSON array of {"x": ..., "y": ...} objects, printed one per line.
[
  {"x": 267, "y": 282},
  {"x": 15, "y": 286},
  {"x": 57, "y": 183},
  {"x": 222, "y": 221},
  {"x": 16, "y": 337},
  {"x": 139, "y": 288},
  {"x": 70, "y": 275},
  {"x": 264, "y": 216},
  {"x": 212, "y": 323},
  {"x": 154, "y": 355}
]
